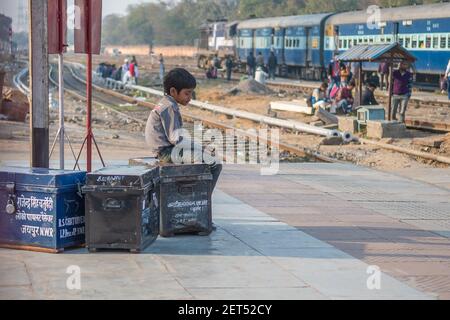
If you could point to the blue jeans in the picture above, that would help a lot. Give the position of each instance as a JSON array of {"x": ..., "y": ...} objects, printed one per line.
[
  {"x": 343, "y": 104},
  {"x": 272, "y": 72},
  {"x": 399, "y": 104}
]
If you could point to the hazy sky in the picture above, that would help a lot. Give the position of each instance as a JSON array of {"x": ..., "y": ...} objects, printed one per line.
[{"x": 10, "y": 8}]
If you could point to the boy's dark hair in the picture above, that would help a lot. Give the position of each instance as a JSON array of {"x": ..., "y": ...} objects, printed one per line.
[
  {"x": 372, "y": 85},
  {"x": 179, "y": 79}
]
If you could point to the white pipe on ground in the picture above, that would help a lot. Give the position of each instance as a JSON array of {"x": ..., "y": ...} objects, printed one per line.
[{"x": 292, "y": 125}]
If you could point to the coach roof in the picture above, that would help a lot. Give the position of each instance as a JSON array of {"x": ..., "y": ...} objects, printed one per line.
[
  {"x": 426, "y": 11},
  {"x": 284, "y": 22}
]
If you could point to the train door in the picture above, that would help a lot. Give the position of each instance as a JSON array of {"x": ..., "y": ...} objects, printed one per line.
[{"x": 308, "y": 48}]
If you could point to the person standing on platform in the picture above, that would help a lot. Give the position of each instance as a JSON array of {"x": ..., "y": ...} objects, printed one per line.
[
  {"x": 251, "y": 64},
  {"x": 229, "y": 66},
  {"x": 402, "y": 91},
  {"x": 260, "y": 60},
  {"x": 136, "y": 69},
  {"x": 272, "y": 65},
  {"x": 333, "y": 71},
  {"x": 383, "y": 71},
  {"x": 125, "y": 71},
  {"x": 162, "y": 68},
  {"x": 132, "y": 71}
]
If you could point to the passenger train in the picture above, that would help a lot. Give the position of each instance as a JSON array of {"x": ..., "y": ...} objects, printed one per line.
[{"x": 305, "y": 44}]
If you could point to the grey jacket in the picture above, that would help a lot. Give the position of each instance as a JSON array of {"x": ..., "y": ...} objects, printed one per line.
[{"x": 162, "y": 125}]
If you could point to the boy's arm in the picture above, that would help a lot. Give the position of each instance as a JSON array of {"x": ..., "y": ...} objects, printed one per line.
[{"x": 170, "y": 125}]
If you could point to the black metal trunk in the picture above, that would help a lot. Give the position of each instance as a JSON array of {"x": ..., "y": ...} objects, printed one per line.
[{"x": 122, "y": 208}]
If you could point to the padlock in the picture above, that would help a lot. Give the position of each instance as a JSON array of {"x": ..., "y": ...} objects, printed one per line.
[{"x": 10, "y": 207}]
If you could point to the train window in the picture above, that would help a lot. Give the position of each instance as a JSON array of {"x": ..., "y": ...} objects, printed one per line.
[
  {"x": 345, "y": 43},
  {"x": 435, "y": 42},
  {"x": 448, "y": 41},
  {"x": 408, "y": 42},
  {"x": 421, "y": 42},
  {"x": 340, "y": 43},
  {"x": 297, "y": 43},
  {"x": 401, "y": 40},
  {"x": 428, "y": 42},
  {"x": 371, "y": 40},
  {"x": 414, "y": 42},
  {"x": 443, "y": 42},
  {"x": 355, "y": 42}
]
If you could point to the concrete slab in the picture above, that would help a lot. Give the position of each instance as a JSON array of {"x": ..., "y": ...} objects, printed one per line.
[
  {"x": 374, "y": 216},
  {"x": 250, "y": 256}
]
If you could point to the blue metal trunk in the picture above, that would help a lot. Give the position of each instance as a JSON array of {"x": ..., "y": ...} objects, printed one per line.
[{"x": 41, "y": 208}]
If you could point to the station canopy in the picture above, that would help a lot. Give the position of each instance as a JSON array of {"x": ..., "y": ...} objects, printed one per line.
[{"x": 377, "y": 53}]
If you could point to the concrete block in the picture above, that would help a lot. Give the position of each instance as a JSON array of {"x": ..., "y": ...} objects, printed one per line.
[
  {"x": 348, "y": 124},
  {"x": 296, "y": 106},
  {"x": 385, "y": 129}
]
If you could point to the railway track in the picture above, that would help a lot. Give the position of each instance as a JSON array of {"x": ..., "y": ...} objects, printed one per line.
[
  {"x": 111, "y": 100},
  {"x": 292, "y": 149},
  {"x": 412, "y": 122}
]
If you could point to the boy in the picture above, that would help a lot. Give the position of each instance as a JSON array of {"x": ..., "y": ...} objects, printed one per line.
[
  {"x": 344, "y": 98},
  {"x": 161, "y": 132}
]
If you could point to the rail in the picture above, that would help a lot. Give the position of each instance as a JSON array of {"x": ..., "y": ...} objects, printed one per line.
[{"x": 291, "y": 125}]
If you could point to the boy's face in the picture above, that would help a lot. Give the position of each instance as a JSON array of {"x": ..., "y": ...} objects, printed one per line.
[{"x": 183, "y": 97}]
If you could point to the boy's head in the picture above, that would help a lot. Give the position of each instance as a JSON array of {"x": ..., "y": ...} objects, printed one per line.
[{"x": 180, "y": 85}]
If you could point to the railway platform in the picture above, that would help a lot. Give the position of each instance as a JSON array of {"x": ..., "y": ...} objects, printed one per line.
[{"x": 314, "y": 231}]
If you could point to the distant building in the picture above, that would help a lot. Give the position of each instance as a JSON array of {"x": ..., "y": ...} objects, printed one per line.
[{"x": 5, "y": 29}]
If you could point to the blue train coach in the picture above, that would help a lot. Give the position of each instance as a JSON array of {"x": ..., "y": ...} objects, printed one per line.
[
  {"x": 424, "y": 30},
  {"x": 296, "y": 40}
]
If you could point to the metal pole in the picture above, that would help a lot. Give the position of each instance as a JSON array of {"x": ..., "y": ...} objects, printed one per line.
[
  {"x": 88, "y": 88},
  {"x": 61, "y": 111},
  {"x": 360, "y": 84},
  {"x": 39, "y": 124},
  {"x": 391, "y": 87}
]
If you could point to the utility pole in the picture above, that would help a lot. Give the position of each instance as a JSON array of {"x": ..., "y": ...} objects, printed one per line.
[{"x": 38, "y": 61}]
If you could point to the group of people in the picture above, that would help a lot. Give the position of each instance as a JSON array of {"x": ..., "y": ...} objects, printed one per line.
[
  {"x": 337, "y": 93},
  {"x": 215, "y": 65},
  {"x": 127, "y": 73},
  {"x": 130, "y": 71},
  {"x": 258, "y": 69}
]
